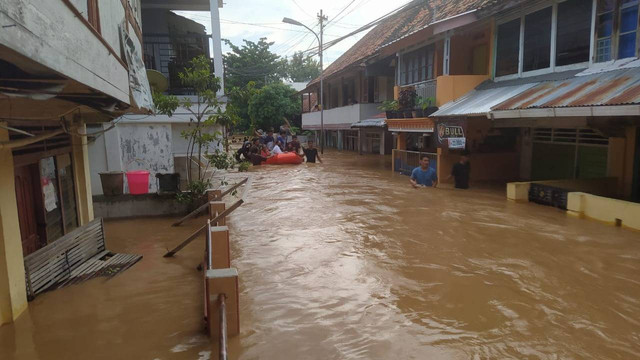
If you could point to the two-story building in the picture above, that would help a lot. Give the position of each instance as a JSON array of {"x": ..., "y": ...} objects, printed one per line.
[{"x": 63, "y": 64}]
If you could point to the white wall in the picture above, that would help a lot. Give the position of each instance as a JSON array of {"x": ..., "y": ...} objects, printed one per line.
[
  {"x": 49, "y": 33},
  {"x": 346, "y": 115}
]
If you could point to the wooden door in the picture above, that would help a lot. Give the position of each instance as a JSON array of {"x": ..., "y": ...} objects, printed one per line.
[{"x": 25, "y": 184}]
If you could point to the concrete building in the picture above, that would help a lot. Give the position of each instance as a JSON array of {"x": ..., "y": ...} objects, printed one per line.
[
  {"x": 63, "y": 65},
  {"x": 155, "y": 142}
]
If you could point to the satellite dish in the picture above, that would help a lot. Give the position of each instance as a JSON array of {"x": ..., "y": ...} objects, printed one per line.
[{"x": 157, "y": 81}]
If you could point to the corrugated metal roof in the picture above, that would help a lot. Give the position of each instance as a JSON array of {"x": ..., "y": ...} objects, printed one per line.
[
  {"x": 620, "y": 87},
  {"x": 480, "y": 102},
  {"x": 375, "y": 122}
]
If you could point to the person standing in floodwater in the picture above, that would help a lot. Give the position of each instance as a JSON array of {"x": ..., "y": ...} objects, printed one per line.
[
  {"x": 311, "y": 153},
  {"x": 460, "y": 172},
  {"x": 423, "y": 175}
]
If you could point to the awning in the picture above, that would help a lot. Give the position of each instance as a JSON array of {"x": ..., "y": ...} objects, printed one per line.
[
  {"x": 328, "y": 127},
  {"x": 607, "y": 93},
  {"x": 479, "y": 102},
  {"x": 411, "y": 125},
  {"x": 370, "y": 123}
]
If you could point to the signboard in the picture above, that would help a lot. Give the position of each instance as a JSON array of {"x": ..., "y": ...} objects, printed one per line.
[
  {"x": 457, "y": 143},
  {"x": 451, "y": 133}
]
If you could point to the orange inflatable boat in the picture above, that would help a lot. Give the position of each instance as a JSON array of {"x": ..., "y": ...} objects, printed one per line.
[{"x": 284, "y": 158}]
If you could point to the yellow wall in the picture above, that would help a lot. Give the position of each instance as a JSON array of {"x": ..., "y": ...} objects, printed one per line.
[
  {"x": 602, "y": 187},
  {"x": 604, "y": 209},
  {"x": 452, "y": 87},
  {"x": 13, "y": 294}
]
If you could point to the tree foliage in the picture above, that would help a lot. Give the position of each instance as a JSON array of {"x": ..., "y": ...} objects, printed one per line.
[
  {"x": 271, "y": 104},
  {"x": 238, "y": 105},
  {"x": 206, "y": 111},
  {"x": 301, "y": 68},
  {"x": 252, "y": 62}
]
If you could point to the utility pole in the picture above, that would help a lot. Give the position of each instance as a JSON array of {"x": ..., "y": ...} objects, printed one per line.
[{"x": 322, "y": 19}]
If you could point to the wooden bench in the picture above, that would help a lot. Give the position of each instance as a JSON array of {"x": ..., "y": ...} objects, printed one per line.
[{"x": 77, "y": 256}]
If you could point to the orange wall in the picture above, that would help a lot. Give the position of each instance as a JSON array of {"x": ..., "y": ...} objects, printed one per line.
[
  {"x": 452, "y": 87},
  {"x": 484, "y": 167}
]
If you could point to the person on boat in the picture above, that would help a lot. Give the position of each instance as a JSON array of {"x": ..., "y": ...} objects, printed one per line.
[
  {"x": 423, "y": 175},
  {"x": 460, "y": 172},
  {"x": 264, "y": 151},
  {"x": 282, "y": 139},
  {"x": 311, "y": 153},
  {"x": 243, "y": 152},
  {"x": 277, "y": 148},
  {"x": 294, "y": 144},
  {"x": 269, "y": 140},
  {"x": 257, "y": 159}
]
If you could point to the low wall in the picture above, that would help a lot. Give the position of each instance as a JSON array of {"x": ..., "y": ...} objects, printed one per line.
[
  {"x": 122, "y": 206},
  {"x": 611, "y": 211},
  {"x": 519, "y": 191}
]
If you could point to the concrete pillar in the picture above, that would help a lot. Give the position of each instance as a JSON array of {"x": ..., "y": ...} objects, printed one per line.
[
  {"x": 214, "y": 195},
  {"x": 629, "y": 163},
  {"x": 217, "y": 43},
  {"x": 81, "y": 174},
  {"x": 360, "y": 141},
  {"x": 402, "y": 141},
  {"x": 221, "y": 252},
  {"x": 112, "y": 148},
  {"x": 223, "y": 281},
  {"x": 13, "y": 291},
  {"x": 526, "y": 153},
  {"x": 340, "y": 140},
  {"x": 215, "y": 209},
  {"x": 615, "y": 162},
  {"x": 382, "y": 142}
]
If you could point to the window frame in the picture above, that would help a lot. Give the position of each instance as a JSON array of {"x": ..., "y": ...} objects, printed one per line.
[
  {"x": 553, "y": 44},
  {"x": 415, "y": 56}
]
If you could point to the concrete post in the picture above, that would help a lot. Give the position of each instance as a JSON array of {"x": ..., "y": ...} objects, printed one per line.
[
  {"x": 223, "y": 281},
  {"x": 217, "y": 43},
  {"x": 81, "y": 174},
  {"x": 112, "y": 148},
  {"x": 360, "y": 141},
  {"x": 216, "y": 208},
  {"x": 214, "y": 195},
  {"x": 13, "y": 291},
  {"x": 382, "y": 142},
  {"x": 220, "y": 250}
]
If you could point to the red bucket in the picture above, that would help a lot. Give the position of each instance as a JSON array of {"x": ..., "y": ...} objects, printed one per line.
[{"x": 138, "y": 182}]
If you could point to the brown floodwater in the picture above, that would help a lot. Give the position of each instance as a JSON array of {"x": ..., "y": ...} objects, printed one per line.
[{"x": 344, "y": 260}]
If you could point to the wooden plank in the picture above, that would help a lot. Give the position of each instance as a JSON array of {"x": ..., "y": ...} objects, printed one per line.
[
  {"x": 199, "y": 231},
  {"x": 204, "y": 207},
  {"x": 62, "y": 244}
]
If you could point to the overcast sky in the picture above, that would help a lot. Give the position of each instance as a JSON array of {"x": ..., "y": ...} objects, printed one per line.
[{"x": 266, "y": 15}]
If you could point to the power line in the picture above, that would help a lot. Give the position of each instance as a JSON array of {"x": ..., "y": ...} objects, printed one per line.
[
  {"x": 340, "y": 12},
  {"x": 303, "y": 10}
]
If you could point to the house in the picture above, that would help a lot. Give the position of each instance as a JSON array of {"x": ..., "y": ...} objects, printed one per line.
[
  {"x": 155, "y": 142},
  {"x": 63, "y": 65}
]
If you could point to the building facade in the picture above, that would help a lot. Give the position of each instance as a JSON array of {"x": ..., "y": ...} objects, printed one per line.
[{"x": 63, "y": 65}]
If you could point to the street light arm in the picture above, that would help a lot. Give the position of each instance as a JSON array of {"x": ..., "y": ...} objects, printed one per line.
[{"x": 297, "y": 23}]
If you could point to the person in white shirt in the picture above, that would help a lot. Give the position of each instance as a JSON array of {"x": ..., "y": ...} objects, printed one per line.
[{"x": 276, "y": 149}]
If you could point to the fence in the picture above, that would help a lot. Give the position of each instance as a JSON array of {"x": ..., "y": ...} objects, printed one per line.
[
  {"x": 426, "y": 89},
  {"x": 405, "y": 161}
]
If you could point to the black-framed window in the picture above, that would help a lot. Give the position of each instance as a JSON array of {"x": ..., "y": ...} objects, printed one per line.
[
  {"x": 537, "y": 40},
  {"x": 417, "y": 66},
  {"x": 508, "y": 48},
  {"x": 573, "y": 35}
]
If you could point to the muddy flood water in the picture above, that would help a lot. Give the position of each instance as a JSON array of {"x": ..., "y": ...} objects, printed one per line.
[{"x": 344, "y": 260}]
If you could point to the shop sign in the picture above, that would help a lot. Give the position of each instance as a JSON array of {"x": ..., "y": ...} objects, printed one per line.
[
  {"x": 451, "y": 129},
  {"x": 457, "y": 143}
]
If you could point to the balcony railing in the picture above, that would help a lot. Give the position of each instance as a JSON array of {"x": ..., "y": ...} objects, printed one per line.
[
  {"x": 426, "y": 89},
  {"x": 342, "y": 116}
]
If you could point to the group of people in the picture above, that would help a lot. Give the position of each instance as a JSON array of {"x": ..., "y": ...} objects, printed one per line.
[
  {"x": 424, "y": 175},
  {"x": 265, "y": 146}
]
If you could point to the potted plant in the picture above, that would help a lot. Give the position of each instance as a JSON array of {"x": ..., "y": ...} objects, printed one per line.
[
  {"x": 417, "y": 111},
  {"x": 390, "y": 107},
  {"x": 407, "y": 101},
  {"x": 428, "y": 106}
]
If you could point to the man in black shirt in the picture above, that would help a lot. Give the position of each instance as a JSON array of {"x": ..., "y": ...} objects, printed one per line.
[
  {"x": 461, "y": 171},
  {"x": 311, "y": 153}
]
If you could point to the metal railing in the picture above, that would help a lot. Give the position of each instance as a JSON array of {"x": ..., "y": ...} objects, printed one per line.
[
  {"x": 405, "y": 161},
  {"x": 223, "y": 327},
  {"x": 426, "y": 89}
]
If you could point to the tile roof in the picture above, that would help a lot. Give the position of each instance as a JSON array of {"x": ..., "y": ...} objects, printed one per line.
[{"x": 414, "y": 16}]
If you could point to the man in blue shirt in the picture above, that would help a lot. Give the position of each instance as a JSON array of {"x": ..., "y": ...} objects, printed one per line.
[{"x": 424, "y": 175}]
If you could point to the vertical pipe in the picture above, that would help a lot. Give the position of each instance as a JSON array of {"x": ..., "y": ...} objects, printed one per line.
[
  {"x": 223, "y": 327},
  {"x": 217, "y": 44},
  {"x": 321, "y": 17}
]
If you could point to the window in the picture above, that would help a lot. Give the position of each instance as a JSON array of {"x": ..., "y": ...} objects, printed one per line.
[
  {"x": 616, "y": 20},
  {"x": 573, "y": 32},
  {"x": 537, "y": 40},
  {"x": 508, "y": 48},
  {"x": 604, "y": 32},
  {"x": 417, "y": 66},
  {"x": 628, "y": 29}
]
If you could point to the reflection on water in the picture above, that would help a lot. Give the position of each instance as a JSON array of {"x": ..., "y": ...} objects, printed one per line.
[{"x": 344, "y": 260}]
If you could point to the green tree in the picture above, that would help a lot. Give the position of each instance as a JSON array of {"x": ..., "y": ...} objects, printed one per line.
[
  {"x": 302, "y": 68},
  {"x": 206, "y": 112},
  {"x": 269, "y": 106},
  {"x": 252, "y": 62},
  {"x": 238, "y": 105}
]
